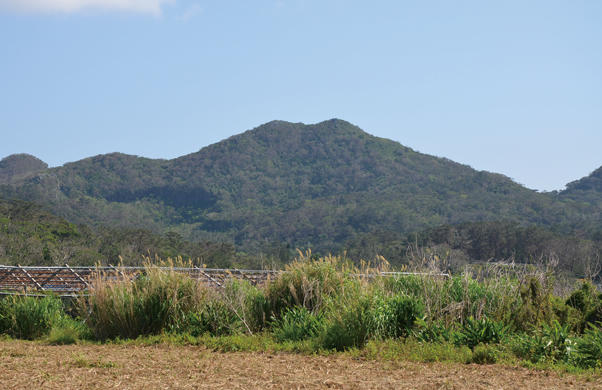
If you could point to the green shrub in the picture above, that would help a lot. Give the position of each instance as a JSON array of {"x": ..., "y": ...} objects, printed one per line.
[
  {"x": 68, "y": 331},
  {"x": 535, "y": 306},
  {"x": 216, "y": 319},
  {"x": 586, "y": 301},
  {"x": 590, "y": 347},
  {"x": 550, "y": 344},
  {"x": 459, "y": 297},
  {"x": 484, "y": 354},
  {"x": 29, "y": 317},
  {"x": 432, "y": 332},
  {"x": 347, "y": 320},
  {"x": 559, "y": 346},
  {"x": 297, "y": 324},
  {"x": 394, "y": 317},
  {"x": 484, "y": 331}
]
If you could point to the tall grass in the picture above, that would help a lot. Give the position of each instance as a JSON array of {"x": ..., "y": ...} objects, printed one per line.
[
  {"x": 155, "y": 301},
  {"x": 28, "y": 317},
  {"x": 307, "y": 283}
]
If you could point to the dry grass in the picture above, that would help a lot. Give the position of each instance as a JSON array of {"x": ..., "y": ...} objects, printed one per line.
[{"x": 30, "y": 365}]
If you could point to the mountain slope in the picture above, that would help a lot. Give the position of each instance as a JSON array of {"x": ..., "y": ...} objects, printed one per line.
[
  {"x": 304, "y": 184},
  {"x": 587, "y": 189},
  {"x": 17, "y": 166}
]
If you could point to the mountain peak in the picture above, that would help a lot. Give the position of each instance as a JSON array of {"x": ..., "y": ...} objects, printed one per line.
[{"x": 19, "y": 165}]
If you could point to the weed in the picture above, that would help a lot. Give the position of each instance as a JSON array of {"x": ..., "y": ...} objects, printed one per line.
[
  {"x": 432, "y": 332},
  {"x": 297, "y": 324},
  {"x": 29, "y": 317},
  {"x": 485, "y": 331},
  {"x": 484, "y": 354},
  {"x": 590, "y": 347},
  {"x": 347, "y": 319},
  {"x": 394, "y": 316},
  {"x": 83, "y": 362},
  {"x": 156, "y": 301}
]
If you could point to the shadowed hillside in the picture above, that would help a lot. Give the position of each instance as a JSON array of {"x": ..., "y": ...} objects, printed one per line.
[{"x": 317, "y": 185}]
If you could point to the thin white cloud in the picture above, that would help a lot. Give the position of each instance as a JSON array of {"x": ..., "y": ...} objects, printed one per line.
[
  {"x": 192, "y": 11},
  {"x": 72, "y": 6}
]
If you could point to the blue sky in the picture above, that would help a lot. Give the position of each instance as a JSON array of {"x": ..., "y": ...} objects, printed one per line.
[{"x": 513, "y": 87}]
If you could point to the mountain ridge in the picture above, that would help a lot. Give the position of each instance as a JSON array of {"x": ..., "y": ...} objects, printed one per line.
[{"x": 307, "y": 185}]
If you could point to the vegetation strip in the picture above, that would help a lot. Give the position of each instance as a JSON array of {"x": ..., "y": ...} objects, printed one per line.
[{"x": 320, "y": 306}]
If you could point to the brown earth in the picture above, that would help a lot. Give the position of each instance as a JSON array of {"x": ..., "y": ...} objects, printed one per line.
[{"x": 30, "y": 365}]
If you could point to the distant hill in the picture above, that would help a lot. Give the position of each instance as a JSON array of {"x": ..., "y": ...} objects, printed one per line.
[
  {"x": 587, "y": 189},
  {"x": 18, "y": 166},
  {"x": 318, "y": 185}
]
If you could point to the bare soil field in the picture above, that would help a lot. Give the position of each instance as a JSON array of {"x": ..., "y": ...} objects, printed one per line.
[{"x": 29, "y": 365}]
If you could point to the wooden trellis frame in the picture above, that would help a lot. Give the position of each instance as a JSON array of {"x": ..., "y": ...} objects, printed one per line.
[{"x": 67, "y": 280}]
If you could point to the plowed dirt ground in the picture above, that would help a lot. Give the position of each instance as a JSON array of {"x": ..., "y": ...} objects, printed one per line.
[{"x": 27, "y": 365}]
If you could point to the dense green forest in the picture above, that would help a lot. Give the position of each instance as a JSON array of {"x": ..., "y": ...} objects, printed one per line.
[
  {"x": 30, "y": 235},
  {"x": 312, "y": 186},
  {"x": 256, "y": 197}
]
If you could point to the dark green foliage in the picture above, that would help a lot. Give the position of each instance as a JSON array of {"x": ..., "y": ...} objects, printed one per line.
[
  {"x": 29, "y": 317},
  {"x": 590, "y": 347},
  {"x": 305, "y": 185},
  {"x": 348, "y": 323},
  {"x": 536, "y": 305},
  {"x": 586, "y": 301},
  {"x": 484, "y": 331},
  {"x": 432, "y": 332},
  {"x": 551, "y": 343},
  {"x": 480, "y": 242},
  {"x": 216, "y": 319},
  {"x": 586, "y": 190},
  {"x": 394, "y": 317},
  {"x": 30, "y": 235},
  {"x": 297, "y": 324},
  {"x": 484, "y": 354}
]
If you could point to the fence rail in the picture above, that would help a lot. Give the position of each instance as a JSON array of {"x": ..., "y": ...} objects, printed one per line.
[{"x": 67, "y": 280}]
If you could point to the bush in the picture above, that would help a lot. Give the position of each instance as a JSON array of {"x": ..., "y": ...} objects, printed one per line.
[
  {"x": 297, "y": 324},
  {"x": 536, "y": 303},
  {"x": 68, "y": 331},
  {"x": 29, "y": 317},
  {"x": 394, "y": 317},
  {"x": 216, "y": 319},
  {"x": 347, "y": 320},
  {"x": 484, "y": 354},
  {"x": 590, "y": 348},
  {"x": 432, "y": 332},
  {"x": 551, "y": 344},
  {"x": 157, "y": 301},
  {"x": 485, "y": 331},
  {"x": 585, "y": 300}
]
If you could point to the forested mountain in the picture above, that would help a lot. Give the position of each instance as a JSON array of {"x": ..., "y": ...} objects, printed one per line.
[
  {"x": 585, "y": 190},
  {"x": 18, "y": 166},
  {"x": 318, "y": 185}
]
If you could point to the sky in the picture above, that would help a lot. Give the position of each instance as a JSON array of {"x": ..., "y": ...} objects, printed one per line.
[{"x": 513, "y": 87}]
